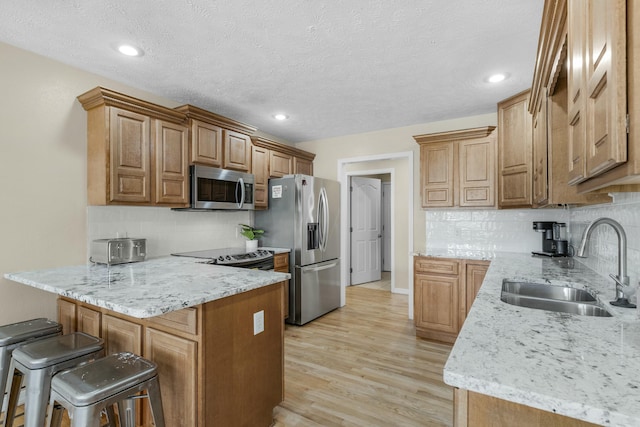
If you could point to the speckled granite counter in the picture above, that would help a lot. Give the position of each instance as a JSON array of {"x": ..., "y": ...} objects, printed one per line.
[
  {"x": 579, "y": 366},
  {"x": 460, "y": 254},
  {"x": 148, "y": 288}
]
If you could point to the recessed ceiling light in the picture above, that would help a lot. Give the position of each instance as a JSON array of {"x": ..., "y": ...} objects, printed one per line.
[
  {"x": 280, "y": 116},
  {"x": 496, "y": 78},
  {"x": 127, "y": 49}
]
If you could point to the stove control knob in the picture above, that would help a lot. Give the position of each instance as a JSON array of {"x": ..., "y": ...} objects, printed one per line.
[
  {"x": 228, "y": 258},
  {"x": 220, "y": 258}
]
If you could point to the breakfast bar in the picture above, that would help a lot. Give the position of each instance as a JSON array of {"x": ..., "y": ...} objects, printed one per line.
[
  {"x": 581, "y": 367},
  {"x": 216, "y": 333}
]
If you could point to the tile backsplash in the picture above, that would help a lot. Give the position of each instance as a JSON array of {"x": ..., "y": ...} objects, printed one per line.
[
  {"x": 167, "y": 231},
  {"x": 509, "y": 230}
]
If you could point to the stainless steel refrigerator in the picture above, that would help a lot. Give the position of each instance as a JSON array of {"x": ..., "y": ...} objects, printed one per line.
[{"x": 304, "y": 215}]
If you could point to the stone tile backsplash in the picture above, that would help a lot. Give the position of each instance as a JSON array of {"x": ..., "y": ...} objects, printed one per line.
[{"x": 167, "y": 231}]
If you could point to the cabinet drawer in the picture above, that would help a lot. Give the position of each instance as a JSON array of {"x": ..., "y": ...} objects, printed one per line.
[
  {"x": 185, "y": 320},
  {"x": 281, "y": 262},
  {"x": 436, "y": 266}
]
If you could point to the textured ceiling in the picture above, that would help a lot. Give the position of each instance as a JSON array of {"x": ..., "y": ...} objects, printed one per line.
[{"x": 335, "y": 67}]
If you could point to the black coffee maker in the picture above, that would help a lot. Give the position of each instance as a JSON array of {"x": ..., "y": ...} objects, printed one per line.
[{"x": 554, "y": 238}]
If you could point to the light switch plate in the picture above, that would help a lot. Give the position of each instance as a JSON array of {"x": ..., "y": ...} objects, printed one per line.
[{"x": 258, "y": 322}]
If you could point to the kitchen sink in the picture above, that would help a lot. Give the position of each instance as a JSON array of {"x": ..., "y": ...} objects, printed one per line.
[
  {"x": 551, "y": 298},
  {"x": 538, "y": 290}
]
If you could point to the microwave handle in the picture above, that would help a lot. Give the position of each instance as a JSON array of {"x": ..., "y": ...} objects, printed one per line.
[{"x": 240, "y": 202}]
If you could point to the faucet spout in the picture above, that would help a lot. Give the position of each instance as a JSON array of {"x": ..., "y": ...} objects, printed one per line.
[{"x": 622, "y": 280}]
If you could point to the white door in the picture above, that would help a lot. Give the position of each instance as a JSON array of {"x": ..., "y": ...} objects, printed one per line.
[
  {"x": 366, "y": 230},
  {"x": 386, "y": 226}
]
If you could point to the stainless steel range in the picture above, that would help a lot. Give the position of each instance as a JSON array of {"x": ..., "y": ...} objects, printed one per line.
[{"x": 260, "y": 259}]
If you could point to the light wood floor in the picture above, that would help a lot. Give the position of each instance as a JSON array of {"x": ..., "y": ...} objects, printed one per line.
[
  {"x": 383, "y": 284},
  {"x": 362, "y": 365}
]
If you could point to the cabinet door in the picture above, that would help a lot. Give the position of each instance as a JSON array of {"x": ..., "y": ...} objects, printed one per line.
[
  {"x": 540, "y": 158},
  {"x": 130, "y": 135},
  {"x": 121, "y": 335},
  {"x": 475, "y": 273},
  {"x": 576, "y": 65},
  {"x": 171, "y": 163},
  {"x": 437, "y": 174},
  {"x": 437, "y": 303},
  {"x": 514, "y": 148},
  {"x": 281, "y": 264},
  {"x": 206, "y": 144},
  {"x": 279, "y": 164},
  {"x": 89, "y": 321},
  {"x": 176, "y": 358},
  {"x": 260, "y": 170},
  {"x": 477, "y": 173},
  {"x": 302, "y": 166},
  {"x": 67, "y": 316},
  {"x": 606, "y": 85},
  {"x": 237, "y": 151}
]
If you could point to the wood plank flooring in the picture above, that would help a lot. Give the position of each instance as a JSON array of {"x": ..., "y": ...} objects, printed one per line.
[{"x": 361, "y": 365}]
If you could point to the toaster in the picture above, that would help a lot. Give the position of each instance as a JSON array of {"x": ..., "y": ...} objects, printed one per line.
[{"x": 118, "y": 251}]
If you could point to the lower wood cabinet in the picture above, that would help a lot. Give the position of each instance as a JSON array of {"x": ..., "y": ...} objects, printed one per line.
[
  {"x": 475, "y": 409},
  {"x": 444, "y": 289},
  {"x": 213, "y": 370}
]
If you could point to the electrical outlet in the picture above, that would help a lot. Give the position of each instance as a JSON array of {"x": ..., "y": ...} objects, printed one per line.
[{"x": 258, "y": 322}]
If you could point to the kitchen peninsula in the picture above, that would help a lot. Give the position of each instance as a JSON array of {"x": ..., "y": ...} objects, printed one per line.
[
  {"x": 535, "y": 365},
  {"x": 200, "y": 323}
]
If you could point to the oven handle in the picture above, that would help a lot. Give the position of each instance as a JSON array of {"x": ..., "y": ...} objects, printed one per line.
[{"x": 242, "y": 195}]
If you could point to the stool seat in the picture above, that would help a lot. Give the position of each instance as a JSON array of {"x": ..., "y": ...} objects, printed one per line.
[
  {"x": 51, "y": 351},
  {"x": 16, "y": 334},
  {"x": 88, "y": 389},
  {"x": 36, "y": 363},
  {"x": 29, "y": 329},
  {"x": 102, "y": 378}
]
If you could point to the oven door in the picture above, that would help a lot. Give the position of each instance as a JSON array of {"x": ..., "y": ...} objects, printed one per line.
[{"x": 213, "y": 188}]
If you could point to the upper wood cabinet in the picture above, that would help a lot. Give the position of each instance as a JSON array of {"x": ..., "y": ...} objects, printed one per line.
[
  {"x": 137, "y": 151},
  {"x": 218, "y": 141},
  {"x": 557, "y": 109},
  {"x": 514, "y": 152},
  {"x": 597, "y": 42},
  {"x": 271, "y": 159},
  {"x": 458, "y": 168}
]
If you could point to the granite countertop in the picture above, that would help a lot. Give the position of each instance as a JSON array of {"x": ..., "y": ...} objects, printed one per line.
[
  {"x": 148, "y": 288},
  {"x": 459, "y": 253},
  {"x": 579, "y": 366}
]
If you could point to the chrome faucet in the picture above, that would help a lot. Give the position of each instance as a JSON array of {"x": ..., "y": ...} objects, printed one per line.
[{"x": 622, "y": 280}]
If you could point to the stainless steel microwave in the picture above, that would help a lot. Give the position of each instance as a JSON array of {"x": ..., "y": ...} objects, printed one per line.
[{"x": 214, "y": 188}]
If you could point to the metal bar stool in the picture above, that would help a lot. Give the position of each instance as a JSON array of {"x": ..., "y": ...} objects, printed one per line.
[
  {"x": 88, "y": 389},
  {"x": 36, "y": 363},
  {"x": 15, "y": 334}
]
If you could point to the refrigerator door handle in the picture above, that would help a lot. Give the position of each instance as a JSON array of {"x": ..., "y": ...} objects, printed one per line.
[
  {"x": 323, "y": 216},
  {"x": 240, "y": 202},
  {"x": 315, "y": 269}
]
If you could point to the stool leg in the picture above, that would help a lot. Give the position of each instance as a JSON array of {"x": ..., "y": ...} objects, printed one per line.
[
  {"x": 127, "y": 412},
  {"x": 155, "y": 400},
  {"x": 14, "y": 383},
  {"x": 5, "y": 359},
  {"x": 86, "y": 416},
  {"x": 38, "y": 382}
]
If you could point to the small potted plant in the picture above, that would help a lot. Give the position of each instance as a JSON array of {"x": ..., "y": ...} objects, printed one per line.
[{"x": 252, "y": 235}]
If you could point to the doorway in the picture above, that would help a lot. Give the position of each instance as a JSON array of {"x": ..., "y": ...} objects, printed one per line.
[{"x": 400, "y": 167}]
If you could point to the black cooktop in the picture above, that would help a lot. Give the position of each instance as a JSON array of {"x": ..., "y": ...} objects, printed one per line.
[{"x": 229, "y": 256}]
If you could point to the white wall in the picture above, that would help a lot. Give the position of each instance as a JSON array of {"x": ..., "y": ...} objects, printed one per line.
[{"x": 43, "y": 172}]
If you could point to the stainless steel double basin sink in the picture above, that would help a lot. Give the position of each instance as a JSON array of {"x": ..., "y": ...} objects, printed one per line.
[{"x": 541, "y": 296}]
